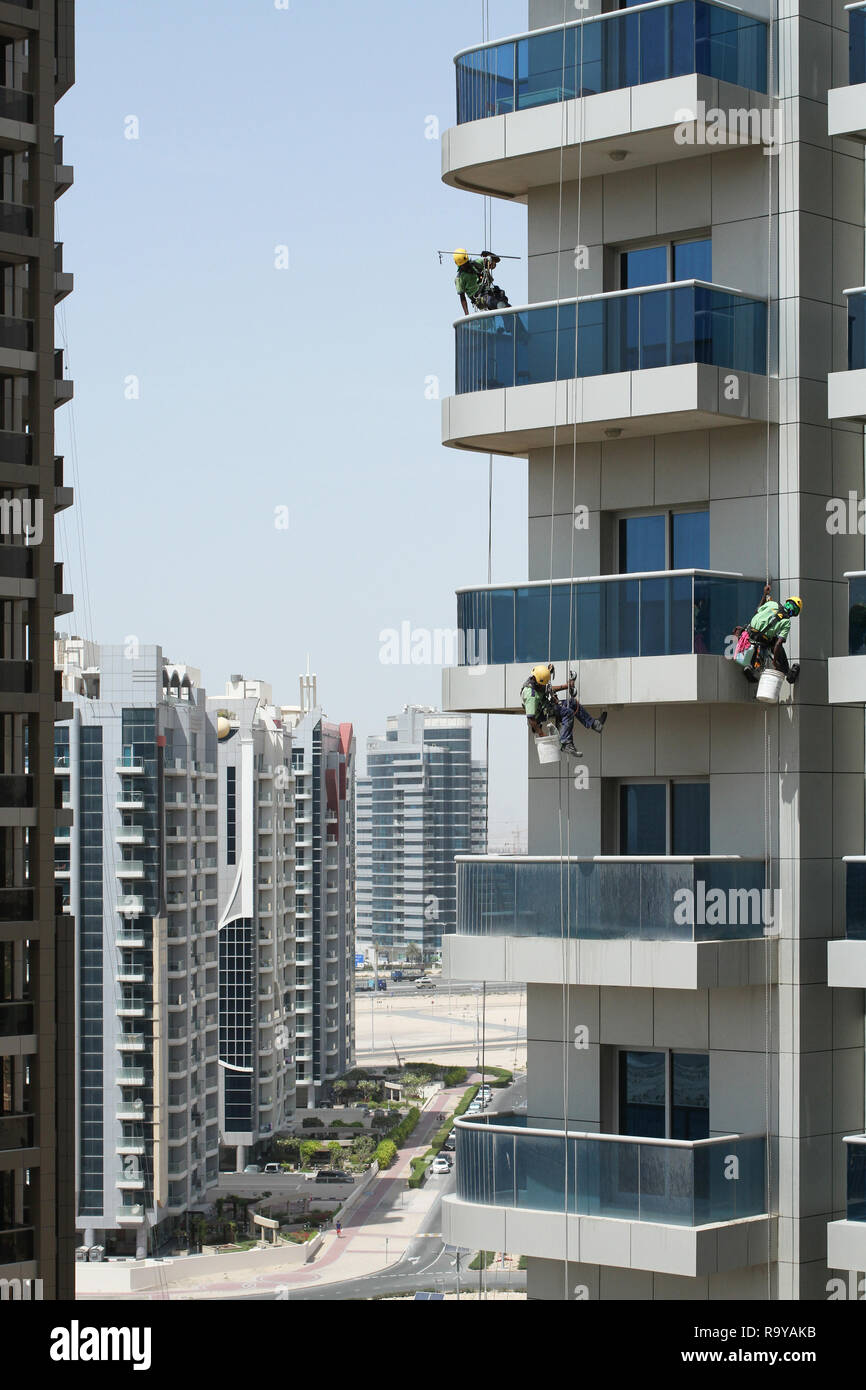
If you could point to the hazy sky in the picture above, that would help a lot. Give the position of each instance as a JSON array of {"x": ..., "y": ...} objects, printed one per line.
[{"x": 215, "y": 389}]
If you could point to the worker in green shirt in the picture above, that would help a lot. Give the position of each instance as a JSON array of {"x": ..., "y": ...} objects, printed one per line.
[
  {"x": 541, "y": 706},
  {"x": 768, "y": 630},
  {"x": 474, "y": 281}
]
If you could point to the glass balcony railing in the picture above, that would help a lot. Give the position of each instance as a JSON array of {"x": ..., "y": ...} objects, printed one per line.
[
  {"x": 669, "y": 614},
  {"x": 604, "y": 53},
  {"x": 676, "y": 1182},
  {"x": 855, "y": 899},
  {"x": 856, "y": 329},
  {"x": 662, "y": 326},
  {"x": 664, "y": 899},
  {"x": 856, "y": 46},
  {"x": 856, "y": 1173},
  {"x": 16, "y": 1131},
  {"x": 17, "y": 1018},
  {"x": 856, "y": 613}
]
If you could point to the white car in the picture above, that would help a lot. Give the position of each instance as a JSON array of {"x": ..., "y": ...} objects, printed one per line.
[{"x": 440, "y": 1165}]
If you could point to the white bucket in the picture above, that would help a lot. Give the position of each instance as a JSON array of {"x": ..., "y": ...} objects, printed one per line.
[
  {"x": 770, "y": 687},
  {"x": 548, "y": 748}
]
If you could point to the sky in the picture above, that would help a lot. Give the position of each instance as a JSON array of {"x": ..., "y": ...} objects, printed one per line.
[{"x": 259, "y": 473}]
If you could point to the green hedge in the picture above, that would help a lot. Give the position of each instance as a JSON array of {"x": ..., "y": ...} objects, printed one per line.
[
  {"x": 483, "y": 1259},
  {"x": 455, "y": 1076},
  {"x": 468, "y": 1096},
  {"x": 419, "y": 1168},
  {"x": 400, "y": 1132},
  {"x": 385, "y": 1153}
]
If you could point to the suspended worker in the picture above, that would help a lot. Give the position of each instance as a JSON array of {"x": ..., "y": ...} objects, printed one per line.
[
  {"x": 764, "y": 637},
  {"x": 474, "y": 281},
  {"x": 541, "y": 707}
]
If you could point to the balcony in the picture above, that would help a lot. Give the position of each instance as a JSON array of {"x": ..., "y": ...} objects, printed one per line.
[
  {"x": 846, "y": 106},
  {"x": 635, "y": 1203},
  {"x": 132, "y": 1215},
  {"x": 846, "y": 675},
  {"x": 645, "y": 361},
  {"x": 128, "y": 766},
  {"x": 130, "y": 801},
  {"x": 131, "y": 1042},
  {"x": 64, "y": 388},
  {"x": 846, "y": 391},
  {"x": 130, "y": 868},
  {"x": 656, "y": 638},
  {"x": 525, "y": 105},
  {"x": 846, "y": 959},
  {"x": 131, "y": 1110},
  {"x": 130, "y": 835},
  {"x": 130, "y": 905},
  {"x": 16, "y": 905},
  {"x": 846, "y": 1240},
  {"x": 16, "y": 219},
  {"x": 16, "y": 1131},
  {"x": 676, "y": 922}
]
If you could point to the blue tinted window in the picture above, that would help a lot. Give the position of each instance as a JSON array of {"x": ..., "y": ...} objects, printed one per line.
[
  {"x": 648, "y": 266},
  {"x": 642, "y": 544},
  {"x": 690, "y": 540},
  {"x": 693, "y": 260},
  {"x": 690, "y": 1095},
  {"x": 690, "y": 818},
  {"x": 642, "y": 816},
  {"x": 642, "y": 1084}
]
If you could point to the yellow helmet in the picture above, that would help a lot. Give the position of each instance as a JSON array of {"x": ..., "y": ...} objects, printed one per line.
[
  {"x": 461, "y": 256},
  {"x": 794, "y": 605},
  {"x": 541, "y": 674}
]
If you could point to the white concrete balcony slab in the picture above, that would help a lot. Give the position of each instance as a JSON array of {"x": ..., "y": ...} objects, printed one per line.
[
  {"x": 846, "y": 106},
  {"x": 846, "y": 675},
  {"x": 674, "y": 922},
  {"x": 846, "y": 1240},
  {"x": 846, "y": 391},
  {"x": 660, "y": 359},
  {"x": 652, "y": 638},
  {"x": 846, "y": 959},
  {"x": 633, "y": 1203},
  {"x": 610, "y": 86}
]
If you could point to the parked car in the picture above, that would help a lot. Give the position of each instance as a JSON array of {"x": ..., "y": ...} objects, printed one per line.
[
  {"x": 273, "y": 1168},
  {"x": 383, "y": 984},
  {"x": 333, "y": 1175},
  {"x": 450, "y": 1143},
  {"x": 440, "y": 1165},
  {"x": 252, "y": 1168},
  {"x": 424, "y": 984}
]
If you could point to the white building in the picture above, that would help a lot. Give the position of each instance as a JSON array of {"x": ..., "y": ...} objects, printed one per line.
[
  {"x": 138, "y": 868},
  {"x": 667, "y": 384},
  {"x": 422, "y": 802},
  {"x": 256, "y": 919}
]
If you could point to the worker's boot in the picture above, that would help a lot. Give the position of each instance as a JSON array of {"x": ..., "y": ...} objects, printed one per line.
[
  {"x": 570, "y": 748},
  {"x": 793, "y": 674},
  {"x": 598, "y": 724}
]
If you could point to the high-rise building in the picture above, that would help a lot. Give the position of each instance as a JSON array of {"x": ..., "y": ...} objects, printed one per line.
[
  {"x": 323, "y": 761},
  {"x": 37, "y": 1212},
  {"x": 422, "y": 802},
  {"x": 256, "y": 919},
  {"x": 137, "y": 762},
  {"x": 695, "y": 1089}
]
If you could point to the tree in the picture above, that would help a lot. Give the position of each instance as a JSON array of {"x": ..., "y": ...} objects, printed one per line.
[
  {"x": 335, "y": 1149},
  {"x": 309, "y": 1149},
  {"x": 412, "y": 953}
]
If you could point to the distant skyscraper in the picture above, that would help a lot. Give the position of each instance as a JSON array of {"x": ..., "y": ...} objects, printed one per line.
[
  {"x": 323, "y": 761},
  {"x": 422, "y": 802}
]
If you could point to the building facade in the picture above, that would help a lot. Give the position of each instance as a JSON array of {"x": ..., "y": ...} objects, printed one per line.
[
  {"x": 422, "y": 802},
  {"x": 323, "y": 762},
  {"x": 695, "y": 1086},
  {"x": 136, "y": 762},
  {"x": 256, "y": 920},
  {"x": 37, "y": 1206}
]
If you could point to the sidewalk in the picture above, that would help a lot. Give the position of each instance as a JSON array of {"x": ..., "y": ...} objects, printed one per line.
[{"x": 381, "y": 1216}]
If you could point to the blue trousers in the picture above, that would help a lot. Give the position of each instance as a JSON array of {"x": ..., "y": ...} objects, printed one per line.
[{"x": 568, "y": 710}]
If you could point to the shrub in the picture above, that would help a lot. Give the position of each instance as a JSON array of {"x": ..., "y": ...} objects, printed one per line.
[
  {"x": 483, "y": 1259},
  {"x": 455, "y": 1076},
  {"x": 311, "y": 1122},
  {"x": 419, "y": 1169},
  {"x": 309, "y": 1149},
  {"x": 386, "y": 1152},
  {"x": 468, "y": 1096}
]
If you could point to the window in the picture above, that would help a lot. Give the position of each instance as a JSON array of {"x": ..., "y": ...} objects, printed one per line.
[
  {"x": 664, "y": 1095},
  {"x": 664, "y": 817},
  {"x": 666, "y": 261},
  {"x": 663, "y": 541},
  {"x": 231, "y": 816}
]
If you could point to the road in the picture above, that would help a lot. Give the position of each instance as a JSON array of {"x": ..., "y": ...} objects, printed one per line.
[
  {"x": 442, "y": 987},
  {"x": 427, "y": 1262}
]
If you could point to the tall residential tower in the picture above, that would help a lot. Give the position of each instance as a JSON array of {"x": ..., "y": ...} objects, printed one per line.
[
  {"x": 695, "y": 1089},
  {"x": 422, "y": 802},
  {"x": 37, "y": 980}
]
